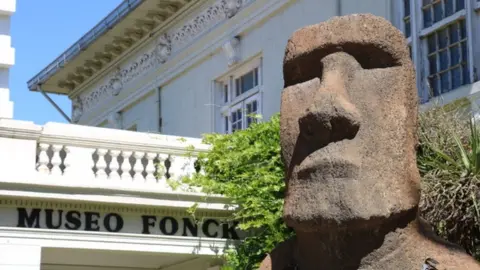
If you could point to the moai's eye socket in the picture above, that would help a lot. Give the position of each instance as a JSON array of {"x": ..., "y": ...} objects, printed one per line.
[{"x": 308, "y": 66}]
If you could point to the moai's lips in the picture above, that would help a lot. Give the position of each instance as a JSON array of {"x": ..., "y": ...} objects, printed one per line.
[{"x": 330, "y": 162}]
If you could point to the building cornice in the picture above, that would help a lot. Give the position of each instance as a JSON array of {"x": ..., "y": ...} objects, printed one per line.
[
  {"x": 165, "y": 46},
  {"x": 124, "y": 27},
  {"x": 209, "y": 43}
]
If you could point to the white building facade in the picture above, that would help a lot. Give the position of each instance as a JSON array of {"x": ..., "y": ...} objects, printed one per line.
[
  {"x": 7, "y": 57},
  {"x": 145, "y": 84}
]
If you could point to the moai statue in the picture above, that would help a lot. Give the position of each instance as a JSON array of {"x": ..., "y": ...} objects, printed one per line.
[{"x": 348, "y": 136}]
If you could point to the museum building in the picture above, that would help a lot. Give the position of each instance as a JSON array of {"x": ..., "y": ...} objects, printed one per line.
[{"x": 145, "y": 83}]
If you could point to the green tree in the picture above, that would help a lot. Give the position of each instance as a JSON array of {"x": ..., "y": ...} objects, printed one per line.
[{"x": 246, "y": 167}]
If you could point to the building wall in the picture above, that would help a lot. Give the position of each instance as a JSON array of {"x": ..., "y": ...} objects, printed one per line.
[
  {"x": 7, "y": 57},
  {"x": 190, "y": 105}
]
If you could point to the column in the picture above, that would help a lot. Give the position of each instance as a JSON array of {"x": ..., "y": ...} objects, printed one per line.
[{"x": 19, "y": 257}]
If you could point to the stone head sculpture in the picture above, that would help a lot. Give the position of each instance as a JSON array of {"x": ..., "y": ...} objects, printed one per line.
[{"x": 348, "y": 125}]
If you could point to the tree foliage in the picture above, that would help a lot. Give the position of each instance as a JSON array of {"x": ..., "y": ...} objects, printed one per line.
[{"x": 246, "y": 167}]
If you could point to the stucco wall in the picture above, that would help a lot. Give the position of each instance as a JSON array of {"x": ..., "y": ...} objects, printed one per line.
[
  {"x": 187, "y": 102},
  {"x": 188, "y": 106},
  {"x": 142, "y": 114}
]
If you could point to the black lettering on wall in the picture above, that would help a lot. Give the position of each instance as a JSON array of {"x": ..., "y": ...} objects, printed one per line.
[
  {"x": 173, "y": 228},
  {"x": 91, "y": 221},
  {"x": 148, "y": 221},
  {"x": 206, "y": 225},
  {"x": 229, "y": 231},
  {"x": 49, "y": 219},
  {"x": 73, "y": 220},
  {"x": 118, "y": 222},
  {"x": 26, "y": 220},
  {"x": 192, "y": 227}
]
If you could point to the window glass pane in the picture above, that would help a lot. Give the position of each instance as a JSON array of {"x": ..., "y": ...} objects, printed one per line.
[
  {"x": 454, "y": 33},
  {"x": 406, "y": 7},
  {"x": 443, "y": 60},
  {"x": 445, "y": 82},
  {"x": 408, "y": 30},
  {"x": 427, "y": 17},
  {"x": 454, "y": 55},
  {"x": 464, "y": 52},
  {"x": 237, "y": 87},
  {"x": 433, "y": 64},
  {"x": 443, "y": 38},
  {"x": 226, "y": 124},
  {"x": 434, "y": 84},
  {"x": 248, "y": 81},
  {"x": 251, "y": 109},
  {"x": 460, "y": 5},
  {"x": 456, "y": 77},
  {"x": 236, "y": 120},
  {"x": 466, "y": 74},
  {"x": 225, "y": 93},
  {"x": 256, "y": 76},
  {"x": 432, "y": 43},
  {"x": 437, "y": 12},
  {"x": 463, "y": 29},
  {"x": 449, "y": 7}
]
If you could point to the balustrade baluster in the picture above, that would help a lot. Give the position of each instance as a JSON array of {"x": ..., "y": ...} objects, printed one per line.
[
  {"x": 138, "y": 166},
  {"x": 67, "y": 161},
  {"x": 150, "y": 168},
  {"x": 162, "y": 169},
  {"x": 101, "y": 164},
  {"x": 43, "y": 159},
  {"x": 126, "y": 167},
  {"x": 56, "y": 160},
  {"x": 114, "y": 166}
]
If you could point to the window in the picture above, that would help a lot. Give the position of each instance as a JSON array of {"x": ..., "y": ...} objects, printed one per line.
[
  {"x": 437, "y": 32},
  {"x": 240, "y": 95},
  {"x": 447, "y": 58},
  {"x": 406, "y": 18}
]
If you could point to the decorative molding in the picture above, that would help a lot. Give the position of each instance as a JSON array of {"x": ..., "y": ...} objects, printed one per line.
[
  {"x": 259, "y": 9},
  {"x": 165, "y": 45},
  {"x": 103, "y": 208},
  {"x": 163, "y": 48},
  {"x": 116, "y": 83},
  {"x": 115, "y": 120},
  {"x": 77, "y": 109},
  {"x": 232, "y": 7},
  {"x": 231, "y": 49}
]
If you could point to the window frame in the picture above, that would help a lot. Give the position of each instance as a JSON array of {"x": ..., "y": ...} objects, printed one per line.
[
  {"x": 419, "y": 42},
  {"x": 232, "y": 102}
]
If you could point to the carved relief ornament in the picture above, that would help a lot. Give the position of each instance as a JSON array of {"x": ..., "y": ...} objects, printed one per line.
[
  {"x": 231, "y": 49},
  {"x": 163, "y": 48},
  {"x": 167, "y": 43},
  {"x": 77, "y": 109}
]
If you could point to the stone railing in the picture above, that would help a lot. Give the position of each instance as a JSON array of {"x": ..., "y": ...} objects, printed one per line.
[{"x": 75, "y": 155}]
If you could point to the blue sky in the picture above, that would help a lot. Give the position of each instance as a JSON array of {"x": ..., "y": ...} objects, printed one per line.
[{"x": 41, "y": 30}]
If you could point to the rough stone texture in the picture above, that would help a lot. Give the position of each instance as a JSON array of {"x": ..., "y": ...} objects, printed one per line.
[{"x": 348, "y": 137}]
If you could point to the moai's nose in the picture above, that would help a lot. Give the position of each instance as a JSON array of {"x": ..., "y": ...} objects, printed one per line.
[{"x": 332, "y": 116}]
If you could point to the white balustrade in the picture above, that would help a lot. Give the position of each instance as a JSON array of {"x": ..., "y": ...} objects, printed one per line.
[{"x": 107, "y": 156}]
